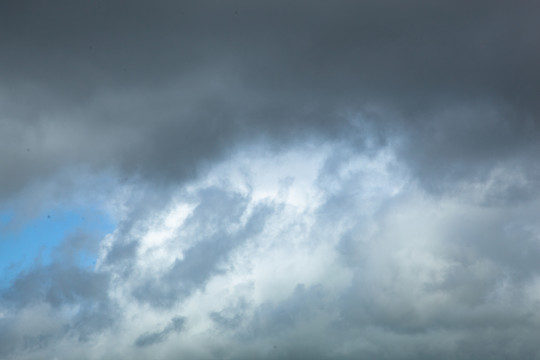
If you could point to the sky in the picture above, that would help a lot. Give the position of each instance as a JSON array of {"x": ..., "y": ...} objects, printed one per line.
[{"x": 269, "y": 179}]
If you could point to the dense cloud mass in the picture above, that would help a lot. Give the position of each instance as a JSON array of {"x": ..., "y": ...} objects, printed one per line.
[{"x": 287, "y": 179}]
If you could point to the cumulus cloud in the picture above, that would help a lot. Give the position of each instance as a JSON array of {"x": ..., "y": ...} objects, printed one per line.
[
  {"x": 356, "y": 262},
  {"x": 288, "y": 180}
]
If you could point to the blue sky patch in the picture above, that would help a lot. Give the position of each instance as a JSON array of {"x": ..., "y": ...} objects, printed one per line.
[{"x": 36, "y": 241}]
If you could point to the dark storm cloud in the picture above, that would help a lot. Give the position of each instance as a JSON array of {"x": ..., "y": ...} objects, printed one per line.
[{"x": 162, "y": 89}]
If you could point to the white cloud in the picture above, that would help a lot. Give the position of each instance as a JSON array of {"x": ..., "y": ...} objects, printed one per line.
[{"x": 330, "y": 242}]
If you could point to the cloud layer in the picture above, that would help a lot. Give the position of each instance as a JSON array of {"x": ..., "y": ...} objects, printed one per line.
[
  {"x": 163, "y": 89},
  {"x": 288, "y": 180}
]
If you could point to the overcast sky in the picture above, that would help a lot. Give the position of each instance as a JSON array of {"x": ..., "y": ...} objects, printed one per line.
[{"x": 270, "y": 179}]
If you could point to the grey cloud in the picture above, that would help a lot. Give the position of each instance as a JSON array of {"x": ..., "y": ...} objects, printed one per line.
[
  {"x": 93, "y": 319},
  {"x": 277, "y": 319},
  {"x": 57, "y": 285},
  {"x": 391, "y": 313},
  {"x": 142, "y": 205},
  {"x": 218, "y": 210},
  {"x": 76, "y": 244},
  {"x": 155, "y": 94},
  {"x": 466, "y": 144},
  {"x": 176, "y": 325},
  {"x": 231, "y": 317},
  {"x": 9, "y": 339},
  {"x": 476, "y": 307},
  {"x": 507, "y": 240},
  {"x": 185, "y": 84},
  {"x": 49, "y": 292},
  {"x": 121, "y": 252},
  {"x": 490, "y": 250}
]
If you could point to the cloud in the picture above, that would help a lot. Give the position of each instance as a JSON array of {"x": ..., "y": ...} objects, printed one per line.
[
  {"x": 216, "y": 213},
  {"x": 374, "y": 266},
  {"x": 182, "y": 85},
  {"x": 176, "y": 325},
  {"x": 287, "y": 180},
  {"x": 50, "y": 303}
]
